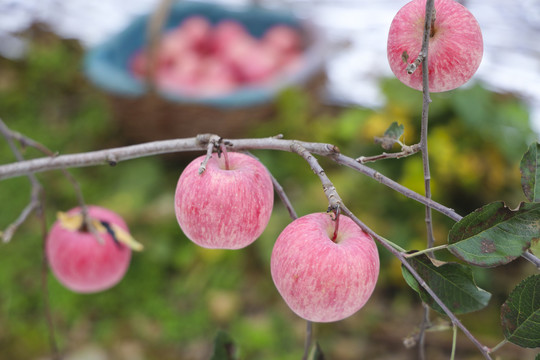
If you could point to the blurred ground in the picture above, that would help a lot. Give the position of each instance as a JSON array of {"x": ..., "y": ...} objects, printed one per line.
[{"x": 176, "y": 296}]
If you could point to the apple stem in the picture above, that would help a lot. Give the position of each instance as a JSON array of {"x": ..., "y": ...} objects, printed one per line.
[
  {"x": 336, "y": 228},
  {"x": 223, "y": 150}
]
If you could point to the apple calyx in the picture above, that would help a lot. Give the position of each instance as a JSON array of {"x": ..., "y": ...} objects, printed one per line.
[{"x": 76, "y": 222}]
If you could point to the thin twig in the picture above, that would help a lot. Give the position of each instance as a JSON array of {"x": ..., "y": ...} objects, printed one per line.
[
  {"x": 37, "y": 189},
  {"x": 36, "y": 204},
  {"x": 212, "y": 144},
  {"x": 405, "y": 151},
  {"x": 425, "y": 115},
  {"x": 424, "y": 56},
  {"x": 498, "y": 346},
  {"x": 533, "y": 259},
  {"x": 334, "y": 201},
  {"x": 26, "y": 141},
  {"x": 309, "y": 339},
  {"x": 425, "y": 251},
  {"x": 454, "y": 342}
]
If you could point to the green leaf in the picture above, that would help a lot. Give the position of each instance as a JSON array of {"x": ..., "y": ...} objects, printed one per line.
[
  {"x": 391, "y": 136},
  {"x": 453, "y": 283},
  {"x": 494, "y": 234},
  {"x": 520, "y": 314},
  {"x": 537, "y": 357},
  {"x": 224, "y": 348},
  {"x": 530, "y": 173},
  {"x": 316, "y": 353}
]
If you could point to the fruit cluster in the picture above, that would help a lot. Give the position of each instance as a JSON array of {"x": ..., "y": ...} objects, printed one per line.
[
  {"x": 324, "y": 272},
  {"x": 323, "y": 267},
  {"x": 200, "y": 59}
]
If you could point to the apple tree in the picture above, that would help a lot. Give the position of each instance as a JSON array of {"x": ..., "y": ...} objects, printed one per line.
[{"x": 325, "y": 265}]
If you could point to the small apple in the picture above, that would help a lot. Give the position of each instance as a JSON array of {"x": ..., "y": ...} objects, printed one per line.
[
  {"x": 455, "y": 45},
  {"x": 76, "y": 257},
  {"x": 227, "y": 206},
  {"x": 322, "y": 278}
]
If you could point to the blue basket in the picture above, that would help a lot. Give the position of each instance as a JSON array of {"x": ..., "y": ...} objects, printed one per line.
[{"x": 107, "y": 65}]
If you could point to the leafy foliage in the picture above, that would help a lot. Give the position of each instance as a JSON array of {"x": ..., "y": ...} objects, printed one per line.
[
  {"x": 391, "y": 136},
  {"x": 494, "y": 234},
  {"x": 520, "y": 314},
  {"x": 530, "y": 173},
  {"x": 453, "y": 283},
  {"x": 177, "y": 295}
]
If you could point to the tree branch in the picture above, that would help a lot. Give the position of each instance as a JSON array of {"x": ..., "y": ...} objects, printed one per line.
[
  {"x": 37, "y": 189},
  {"x": 483, "y": 349},
  {"x": 405, "y": 151},
  {"x": 424, "y": 56}
]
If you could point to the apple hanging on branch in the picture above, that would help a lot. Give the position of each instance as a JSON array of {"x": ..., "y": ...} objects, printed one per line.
[
  {"x": 455, "y": 45},
  {"x": 77, "y": 258},
  {"x": 324, "y": 268},
  {"x": 228, "y": 205}
]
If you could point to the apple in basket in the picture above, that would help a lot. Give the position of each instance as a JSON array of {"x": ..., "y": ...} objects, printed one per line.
[{"x": 200, "y": 59}]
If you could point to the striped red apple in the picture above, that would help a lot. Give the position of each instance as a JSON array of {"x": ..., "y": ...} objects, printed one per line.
[
  {"x": 228, "y": 205},
  {"x": 324, "y": 275},
  {"x": 455, "y": 45}
]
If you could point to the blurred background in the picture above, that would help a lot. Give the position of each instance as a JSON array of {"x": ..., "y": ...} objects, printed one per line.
[{"x": 176, "y": 296}]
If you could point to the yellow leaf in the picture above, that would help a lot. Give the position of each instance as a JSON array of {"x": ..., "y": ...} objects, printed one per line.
[{"x": 74, "y": 222}]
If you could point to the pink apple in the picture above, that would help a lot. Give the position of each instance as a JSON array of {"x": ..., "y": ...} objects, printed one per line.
[
  {"x": 216, "y": 78},
  {"x": 171, "y": 47},
  {"x": 224, "y": 208},
  {"x": 226, "y": 33},
  {"x": 321, "y": 279},
  {"x": 181, "y": 76},
  {"x": 198, "y": 30},
  {"x": 255, "y": 62},
  {"x": 455, "y": 46},
  {"x": 80, "y": 262},
  {"x": 283, "y": 38}
]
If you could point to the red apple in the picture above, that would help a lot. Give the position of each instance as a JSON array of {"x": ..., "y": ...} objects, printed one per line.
[
  {"x": 80, "y": 262},
  {"x": 224, "y": 207},
  {"x": 321, "y": 279},
  {"x": 455, "y": 45}
]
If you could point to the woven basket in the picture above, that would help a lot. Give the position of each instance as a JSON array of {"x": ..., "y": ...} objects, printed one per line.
[{"x": 146, "y": 114}]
